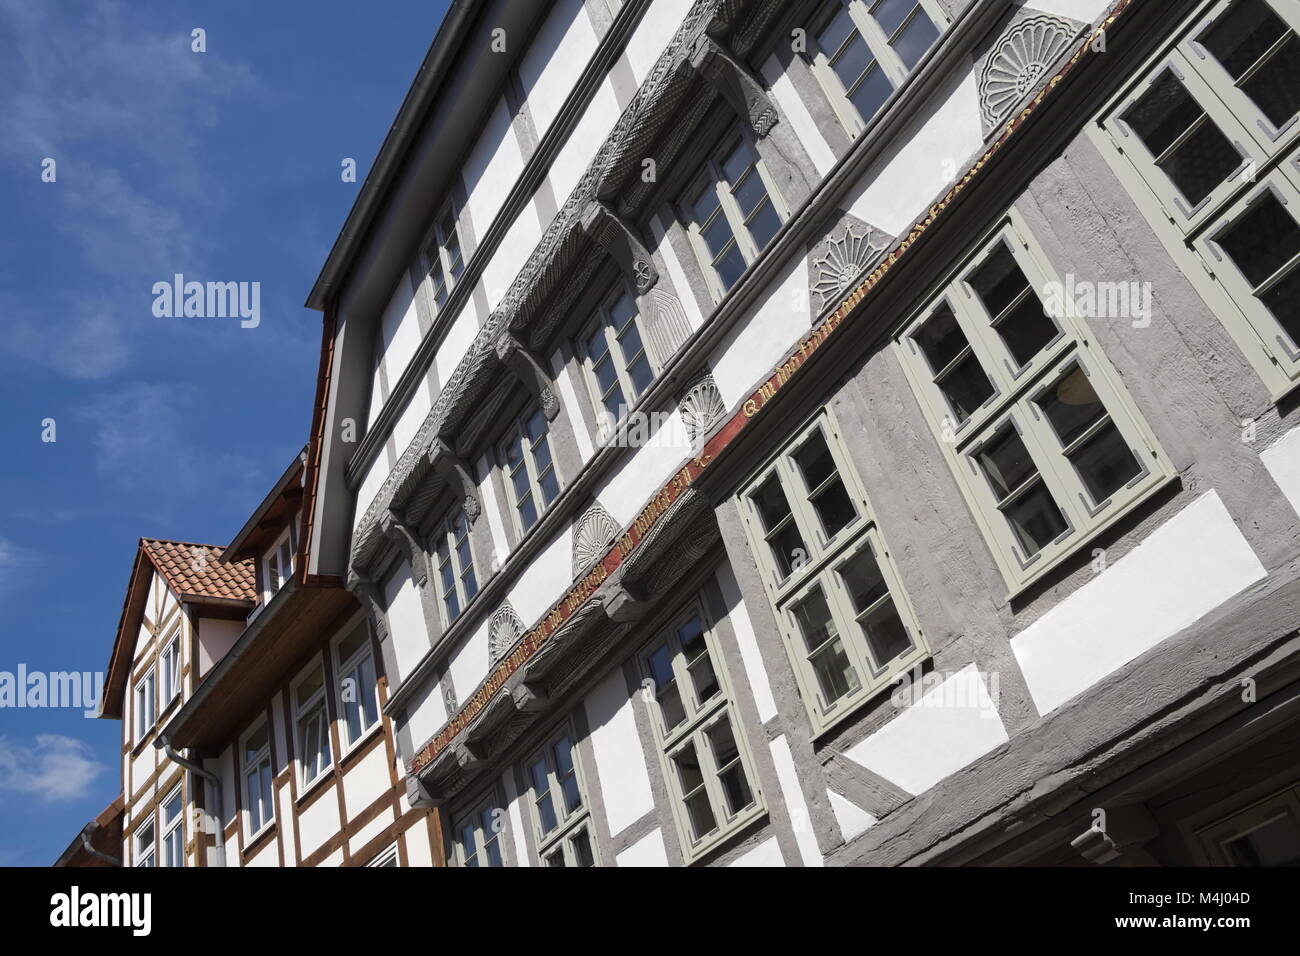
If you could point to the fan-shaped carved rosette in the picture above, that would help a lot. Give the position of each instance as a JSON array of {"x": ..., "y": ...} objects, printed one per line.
[{"x": 1018, "y": 62}]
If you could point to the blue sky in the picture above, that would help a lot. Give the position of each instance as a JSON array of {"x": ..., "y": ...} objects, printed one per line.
[{"x": 223, "y": 166}]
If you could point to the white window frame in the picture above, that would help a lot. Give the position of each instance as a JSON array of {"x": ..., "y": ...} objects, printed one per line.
[
  {"x": 570, "y": 825},
  {"x": 359, "y": 668},
  {"x": 279, "y": 556},
  {"x": 173, "y": 831},
  {"x": 169, "y": 665},
  {"x": 145, "y": 854},
  {"x": 445, "y": 269},
  {"x": 873, "y": 35},
  {"x": 518, "y": 433},
  {"x": 145, "y": 699},
  {"x": 821, "y": 567},
  {"x": 261, "y": 759},
  {"x": 1017, "y": 391},
  {"x": 693, "y": 731},
  {"x": 710, "y": 175},
  {"x": 315, "y": 707},
  {"x": 486, "y": 804},
  {"x": 1270, "y": 161},
  {"x": 447, "y": 537},
  {"x": 603, "y": 322}
]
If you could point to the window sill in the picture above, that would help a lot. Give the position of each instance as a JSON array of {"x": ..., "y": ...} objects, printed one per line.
[
  {"x": 257, "y": 842},
  {"x": 746, "y": 820},
  {"x": 313, "y": 787},
  {"x": 355, "y": 751}
]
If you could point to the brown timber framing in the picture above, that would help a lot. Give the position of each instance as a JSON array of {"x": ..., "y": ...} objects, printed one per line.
[{"x": 753, "y": 407}]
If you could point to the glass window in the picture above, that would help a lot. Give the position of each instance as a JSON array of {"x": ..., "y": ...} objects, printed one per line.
[
  {"x": 146, "y": 704},
  {"x": 173, "y": 830},
  {"x": 614, "y": 355},
  {"x": 256, "y": 765},
  {"x": 358, "y": 692},
  {"x": 561, "y": 819},
  {"x": 477, "y": 832},
  {"x": 145, "y": 844},
  {"x": 444, "y": 255},
  {"x": 530, "y": 476},
  {"x": 312, "y": 722},
  {"x": 454, "y": 557}
]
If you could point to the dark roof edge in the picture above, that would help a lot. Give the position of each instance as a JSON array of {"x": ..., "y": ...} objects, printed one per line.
[{"x": 424, "y": 88}]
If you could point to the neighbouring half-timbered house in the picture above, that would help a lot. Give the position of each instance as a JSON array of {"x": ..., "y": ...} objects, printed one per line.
[
  {"x": 851, "y": 431},
  {"x": 251, "y": 712}
]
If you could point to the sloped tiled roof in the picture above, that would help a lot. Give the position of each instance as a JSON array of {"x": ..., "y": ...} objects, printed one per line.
[{"x": 197, "y": 570}]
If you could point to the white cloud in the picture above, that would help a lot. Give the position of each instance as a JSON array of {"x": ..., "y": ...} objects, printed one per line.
[{"x": 55, "y": 768}]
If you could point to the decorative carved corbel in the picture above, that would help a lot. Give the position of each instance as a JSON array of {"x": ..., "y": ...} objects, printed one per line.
[
  {"x": 734, "y": 83},
  {"x": 627, "y": 604},
  {"x": 621, "y": 242},
  {"x": 395, "y": 528},
  {"x": 528, "y": 368},
  {"x": 367, "y": 591},
  {"x": 456, "y": 472}
]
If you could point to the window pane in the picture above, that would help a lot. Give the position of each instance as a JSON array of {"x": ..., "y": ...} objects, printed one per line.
[
  {"x": 750, "y": 192},
  {"x": 731, "y": 773},
  {"x": 837, "y": 32},
  {"x": 1006, "y": 463},
  {"x": 1033, "y": 516},
  {"x": 890, "y": 14},
  {"x": 1105, "y": 463},
  {"x": 310, "y": 685},
  {"x": 730, "y": 267},
  {"x": 915, "y": 39},
  {"x": 1276, "y": 843},
  {"x": 964, "y": 384},
  {"x": 830, "y": 499},
  {"x": 581, "y": 845},
  {"x": 700, "y": 665},
  {"x": 1260, "y": 244},
  {"x": 871, "y": 92},
  {"x": 863, "y": 580},
  {"x": 764, "y": 225},
  {"x": 670, "y": 701},
  {"x": 835, "y": 673},
  {"x": 698, "y": 811},
  {"x": 1024, "y": 327},
  {"x": 773, "y": 509},
  {"x": 717, "y": 235},
  {"x": 1202, "y": 160},
  {"x": 1240, "y": 39}
]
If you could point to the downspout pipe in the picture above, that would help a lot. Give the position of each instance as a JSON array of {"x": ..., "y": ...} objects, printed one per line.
[
  {"x": 217, "y": 828},
  {"x": 86, "y": 846}
]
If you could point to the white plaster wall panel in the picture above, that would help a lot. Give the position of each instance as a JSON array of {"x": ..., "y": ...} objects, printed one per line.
[
  {"x": 455, "y": 344},
  {"x": 370, "y": 831},
  {"x": 400, "y": 330},
  {"x": 269, "y": 855},
  {"x": 492, "y": 168},
  {"x": 370, "y": 485},
  {"x": 334, "y": 859},
  {"x": 418, "y": 850},
  {"x": 555, "y": 59},
  {"x": 366, "y": 782},
  {"x": 853, "y": 820},
  {"x": 652, "y": 34},
  {"x": 750, "y": 656},
  {"x": 412, "y": 417},
  {"x": 516, "y": 246},
  {"x": 620, "y": 761},
  {"x": 549, "y": 573},
  {"x": 279, "y": 737},
  {"x": 569, "y": 395},
  {"x": 787, "y": 778},
  {"x": 647, "y": 851},
  {"x": 1085, "y": 11},
  {"x": 1282, "y": 459},
  {"x": 496, "y": 523},
  {"x": 586, "y": 137},
  {"x": 927, "y": 157},
  {"x": 761, "y": 339},
  {"x": 405, "y": 616},
  {"x": 676, "y": 274},
  {"x": 222, "y": 767},
  {"x": 141, "y": 648},
  {"x": 319, "y": 821},
  {"x": 216, "y": 638},
  {"x": 469, "y": 663},
  {"x": 376, "y": 395},
  {"x": 643, "y": 470},
  {"x": 952, "y": 725},
  {"x": 427, "y": 712},
  {"x": 1183, "y": 570},
  {"x": 517, "y": 816},
  {"x": 284, "y": 813},
  {"x": 143, "y": 765},
  {"x": 767, "y": 853},
  {"x": 801, "y": 121}
]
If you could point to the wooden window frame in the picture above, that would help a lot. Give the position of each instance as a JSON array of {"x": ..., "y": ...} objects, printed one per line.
[
  {"x": 1014, "y": 404},
  {"x": 709, "y": 174},
  {"x": 444, "y": 269},
  {"x": 444, "y": 550},
  {"x": 247, "y": 763},
  {"x": 569, "y": 823},
  {"x": 344, "y": 669},
  {"x": 145, "y": 854},
  {"x": 174, "y": 827},
  {"x": 487, "y": 802},
  {"x": 823, "y": 562},
  {"x": 283, "y": 547},
  {"x": 886, "y": 57},
  {"x": 305, "y": 711},
  {"x": 170, "y": 687},
  {"x": 518, "y": 432},
  {"x": 602, "y": 321},
  {"x": 700, "y": 718},
  {"x": 1270, "y": 161},
  {"x": 150, "y": 679}
]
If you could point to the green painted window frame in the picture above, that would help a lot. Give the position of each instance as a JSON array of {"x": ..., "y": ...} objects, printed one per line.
[
  {"x": 692, "y": 731},
  {"x": 873, "y": 35},
  {"x": 603, "y": 321},
  {"x": 1016, "y": 403},
  {"x": 518, "y": 433},
  {"x": 487, "y": 803},
  {"x": 1270, "y": 162},
  {"x": 820, "y": 567},
  {"x": 710, "y": 175},
  {"x": 559, "y": 842},
  {"x": 447, "y": 538}
]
